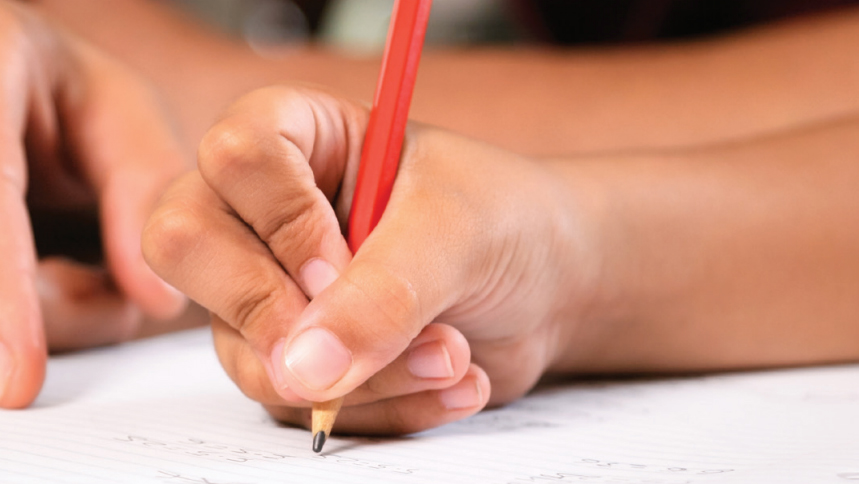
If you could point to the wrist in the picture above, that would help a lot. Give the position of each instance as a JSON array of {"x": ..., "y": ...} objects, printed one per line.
[
  {"x": 580, "y": 299},
  {"x": 602, "y": 283}
]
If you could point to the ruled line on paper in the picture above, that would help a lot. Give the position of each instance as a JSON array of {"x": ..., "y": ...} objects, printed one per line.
[{"x": 136, "y": 418}]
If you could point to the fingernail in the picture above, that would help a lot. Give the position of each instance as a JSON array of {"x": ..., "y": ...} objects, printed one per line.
[
  {"x": 7, "y": 365},
  {"x": 317, "y": 274},
  {"x": 465, "y": 394},
  {"x": 273, "y": 369},
  {"x": 317, "y": 358},
  {"x": 430, "y": 360}
]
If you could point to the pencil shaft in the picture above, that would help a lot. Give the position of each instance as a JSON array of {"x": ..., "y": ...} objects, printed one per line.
[
  {"x": 380, "y": 154},
  {"x": 383, "y": 143}
]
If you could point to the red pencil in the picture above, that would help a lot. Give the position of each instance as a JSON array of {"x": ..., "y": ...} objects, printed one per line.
[
  {"x": 383, "y": 142},
  {"x": 380, "y": 155}
]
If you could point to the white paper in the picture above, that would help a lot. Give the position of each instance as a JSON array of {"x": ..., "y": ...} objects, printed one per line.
[{"x": 162, "y": 411}]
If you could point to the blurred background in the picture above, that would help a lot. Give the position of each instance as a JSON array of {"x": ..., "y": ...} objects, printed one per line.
[
  {"x": 354, "y": 25},
  {"x": 361, "y": 25}
]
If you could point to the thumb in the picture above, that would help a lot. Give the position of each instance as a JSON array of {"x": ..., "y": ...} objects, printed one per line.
[{"x": 397, "y": 283}]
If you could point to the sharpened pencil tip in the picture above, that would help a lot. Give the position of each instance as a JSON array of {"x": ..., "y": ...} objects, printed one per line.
[{"x": 318, "y": 441}]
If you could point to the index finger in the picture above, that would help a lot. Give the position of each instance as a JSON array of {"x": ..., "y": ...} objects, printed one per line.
[{"x": 277, "y": 158}]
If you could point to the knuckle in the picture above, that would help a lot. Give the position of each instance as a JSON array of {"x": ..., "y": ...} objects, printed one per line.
[
  {"x": 169, "y": 236},
  {"x": 399, "y": 301},
  {"x": 394, "y": 306},
  {"x": 295, "y": 229},
  {"x": 252, "y": 300},
  {"x": 227, "y": 149}
]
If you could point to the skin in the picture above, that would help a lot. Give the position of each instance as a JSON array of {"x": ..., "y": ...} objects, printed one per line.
[
  {"x": 528, "y": 99},
  {"x": 69, "y": 151},
  {"x": 699, "y": 217},
  {"x": 712, "y": 258}
]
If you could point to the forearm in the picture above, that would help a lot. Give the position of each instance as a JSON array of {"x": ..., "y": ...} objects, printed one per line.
[
  {"x": 533, "y": 100},
  {"x": 737, "y": 256},
  {"x": 567, "y": 101},
  {"x": 722, "y": 257}
]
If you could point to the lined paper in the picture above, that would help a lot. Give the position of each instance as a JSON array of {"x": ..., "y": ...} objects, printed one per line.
[{"x": 162, "y": 411}]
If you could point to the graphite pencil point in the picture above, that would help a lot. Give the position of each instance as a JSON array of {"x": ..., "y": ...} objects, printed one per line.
[{"x": 318, "y": 441}]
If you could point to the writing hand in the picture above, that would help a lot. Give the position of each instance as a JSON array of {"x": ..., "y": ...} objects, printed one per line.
[{"x": 467, "y": 263}]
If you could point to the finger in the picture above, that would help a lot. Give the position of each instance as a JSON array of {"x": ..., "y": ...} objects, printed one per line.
[
  {"x": 129, "y": 154},
  {"x": 82, "y": 307},
  {"x": 265, "y": 159},
  {"x": 198, "y": 244},
  {"x": 436, "y": 359},
  {"x": 126, "y": 202},
  {"x": 270, "y": 159},
  {"x": 275, "y": 158},
  {"x": 246, "y": 369},
  {"x": 22, "y": 343},
  {"x": 406, "y": 414},
  {"x": 414, "y": 266}
]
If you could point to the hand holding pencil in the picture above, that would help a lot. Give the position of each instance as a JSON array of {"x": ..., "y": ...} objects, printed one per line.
[{"x": 461, "y": 281}]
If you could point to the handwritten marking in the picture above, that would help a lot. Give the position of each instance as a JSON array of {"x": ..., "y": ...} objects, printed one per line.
[
  {"x": 168, "y": 476},
  {"x": 350, "y": 461},
  {"x": 209, "y": 450},
  {"x": 599, "y": 479},
  {"x": 503, "y": 422},
  {"x": 624, "y": 467},
  {"x": 631, "y": 466},
  {"x": 231, "y": 453}
]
